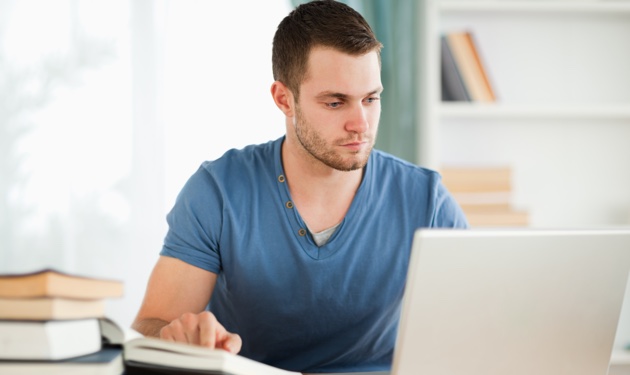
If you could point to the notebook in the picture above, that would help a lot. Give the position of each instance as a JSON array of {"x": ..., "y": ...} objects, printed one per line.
[{"x": 512, "y": 301}]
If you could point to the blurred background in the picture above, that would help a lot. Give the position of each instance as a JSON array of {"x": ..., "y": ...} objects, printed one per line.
[{"x": 106, "y": 108}]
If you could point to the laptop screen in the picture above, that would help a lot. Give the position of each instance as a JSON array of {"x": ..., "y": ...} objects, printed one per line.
[{"x": 512, "y": 301}]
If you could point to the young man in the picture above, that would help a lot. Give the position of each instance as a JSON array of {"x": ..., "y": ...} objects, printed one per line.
[{"x": 299, "y": 247}]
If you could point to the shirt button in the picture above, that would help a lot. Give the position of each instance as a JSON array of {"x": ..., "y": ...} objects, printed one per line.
[
  {"x": 289, "y": 204},
  {"x": 302, "y": 232},
  {"x": 281, "y": 178}
]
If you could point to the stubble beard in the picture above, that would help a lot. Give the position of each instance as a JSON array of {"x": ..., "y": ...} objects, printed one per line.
[{"x": 316, "y": 146}]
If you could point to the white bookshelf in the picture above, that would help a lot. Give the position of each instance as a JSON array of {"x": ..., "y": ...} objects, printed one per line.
[
  {"x": 620, "y": 362},
  {"x": 454, "y": 110},
  {"x": 561, "y": 73},
  {"x": 564, "y": 6}
]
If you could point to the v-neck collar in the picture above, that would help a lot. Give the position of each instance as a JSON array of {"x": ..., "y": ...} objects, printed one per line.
[{"x": 294, "y": 220}]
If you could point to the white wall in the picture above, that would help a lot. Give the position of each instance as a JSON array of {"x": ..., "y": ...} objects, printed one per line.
[{"x": 217, "y": 79}]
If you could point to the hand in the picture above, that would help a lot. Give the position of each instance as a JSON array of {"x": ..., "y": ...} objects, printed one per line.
[{"x": 201, "y": 329}]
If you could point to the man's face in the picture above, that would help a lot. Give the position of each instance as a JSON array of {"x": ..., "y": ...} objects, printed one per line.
[{"x": 337, "y": 115}]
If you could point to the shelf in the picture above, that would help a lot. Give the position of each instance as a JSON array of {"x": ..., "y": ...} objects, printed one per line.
[
  {"x": 495, "y": 111},
  {"x": 620, "y": 357},
  {"x": 560, "y": 71},
  {"x": 585, "y": 6}
]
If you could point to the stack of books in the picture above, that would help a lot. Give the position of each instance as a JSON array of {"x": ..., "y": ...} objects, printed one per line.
[
  {"x": 485, "y": 195},
  {"x": 54, "y": 323}
]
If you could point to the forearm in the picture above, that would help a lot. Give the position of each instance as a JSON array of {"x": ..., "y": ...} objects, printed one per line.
[{"x": 150, "y": 326}]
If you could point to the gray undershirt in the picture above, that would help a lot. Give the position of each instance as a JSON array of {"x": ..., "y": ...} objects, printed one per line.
[{"x": 322, "y": 237}]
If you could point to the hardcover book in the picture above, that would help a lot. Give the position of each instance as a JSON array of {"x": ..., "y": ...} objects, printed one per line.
[
  {"x": 107, "y": 361},
  {"x": 50, "y": 308},
  {"x": 453, "y": 87},
  {"x": 48, "y": 340},
  {"x": 469, "y": 64},
  {"x": 52, "y": 283}
]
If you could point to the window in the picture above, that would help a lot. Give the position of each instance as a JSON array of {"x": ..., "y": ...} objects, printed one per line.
[{"x": 106, "y": 108}]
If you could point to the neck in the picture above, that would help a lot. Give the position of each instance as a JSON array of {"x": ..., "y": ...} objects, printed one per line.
[
  {"x": 308, "y": 175},
  {"x": 321, "y": 194}
]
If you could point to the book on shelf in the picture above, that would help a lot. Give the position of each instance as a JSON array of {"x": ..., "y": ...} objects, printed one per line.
[
  {"x": 50, "y": 308},
  {"x": 52, "y": 283},
  {"x": 509, "y": 218},
  {"x": 49, "y": 340},
  {"x": 106, "y": 361},
  {"x": 154, "y": 356},
  {"x": 453, "y": 87},
  {"x": 470, "y": 66},
  {"x": 481, "y": 179},
  {"x": 484, "y": 194}
]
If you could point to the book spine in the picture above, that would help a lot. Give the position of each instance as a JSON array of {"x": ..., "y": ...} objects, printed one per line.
[
  {"x": 485, "y": 81},
  {"x": 453, "y": 87},
  {"x": 469, "y": 65}
]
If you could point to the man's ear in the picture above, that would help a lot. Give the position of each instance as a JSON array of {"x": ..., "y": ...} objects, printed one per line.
[{"x": 283, "y": 97}]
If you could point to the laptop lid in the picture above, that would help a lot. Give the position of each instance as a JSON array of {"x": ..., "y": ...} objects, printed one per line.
[{"x": 517, "y": 301}]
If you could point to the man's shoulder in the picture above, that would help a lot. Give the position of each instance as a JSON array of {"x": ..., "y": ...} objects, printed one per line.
[
  {"x": 250, "y": 157},
  {"x": 389, "y": 164}
]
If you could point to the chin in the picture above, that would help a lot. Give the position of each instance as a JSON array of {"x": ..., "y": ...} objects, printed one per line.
[{"x": 352, "y": 165}]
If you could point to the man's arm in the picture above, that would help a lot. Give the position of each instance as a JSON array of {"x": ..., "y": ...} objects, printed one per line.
[{"x": 174, "y": 307}]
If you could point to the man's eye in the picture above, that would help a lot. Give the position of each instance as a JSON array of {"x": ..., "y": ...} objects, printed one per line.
[
  {"x": 372, "y": 100},
  {"x": 334, "y": 104}
]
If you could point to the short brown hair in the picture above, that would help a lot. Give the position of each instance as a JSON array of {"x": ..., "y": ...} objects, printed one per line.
[{"x": 325, "y": 23}]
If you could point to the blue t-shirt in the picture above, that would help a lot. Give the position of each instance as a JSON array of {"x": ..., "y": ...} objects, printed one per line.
[{"x": 297, "y": 306}]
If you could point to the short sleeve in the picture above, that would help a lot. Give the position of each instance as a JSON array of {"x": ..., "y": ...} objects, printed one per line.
[
  {"x": 194, "y": 223},
  {"x": 448, "y": 213}
]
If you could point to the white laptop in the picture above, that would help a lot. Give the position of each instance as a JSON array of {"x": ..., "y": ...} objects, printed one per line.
[{"x": 517, "y": 301}]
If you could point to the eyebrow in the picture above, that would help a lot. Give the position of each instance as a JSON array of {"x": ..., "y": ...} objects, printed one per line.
[{"x": 339, "y": 95}]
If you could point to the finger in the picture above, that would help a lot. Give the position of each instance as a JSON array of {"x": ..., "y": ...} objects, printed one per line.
[
  {"x": 228, "y": 341},
  {"x": 165, "y": 334},
  {"x": 174, "y": 331},
  {"x": 190, "y": 326},
  {"x": 207, "y": 329},
  {"x": 233, "y": 343}
]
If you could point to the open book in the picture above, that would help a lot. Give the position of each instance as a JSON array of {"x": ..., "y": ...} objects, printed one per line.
[
  {"x": 148, "y": 355},
  {"x": 154, "y": 356}
]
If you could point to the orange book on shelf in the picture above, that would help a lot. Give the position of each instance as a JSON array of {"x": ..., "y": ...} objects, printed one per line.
[
  {"x": 470, "y": 65},
  {"x": 466, "y": 179},
  {"x": 484, "y": 194}
]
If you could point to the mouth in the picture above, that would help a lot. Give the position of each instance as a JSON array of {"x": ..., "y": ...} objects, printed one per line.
[{"x": 354, "y": 145}]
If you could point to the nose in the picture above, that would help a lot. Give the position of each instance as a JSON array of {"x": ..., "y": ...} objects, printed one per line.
[{"x": 357, "y": 121}]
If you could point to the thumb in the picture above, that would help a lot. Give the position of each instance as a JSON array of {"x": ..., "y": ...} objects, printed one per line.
[{"x": 231, "y": 342}]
